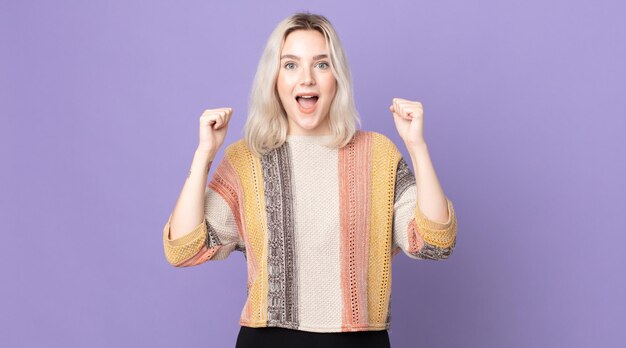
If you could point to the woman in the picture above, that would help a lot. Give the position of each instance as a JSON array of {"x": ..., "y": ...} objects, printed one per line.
[{"x": 317, "y": 206}]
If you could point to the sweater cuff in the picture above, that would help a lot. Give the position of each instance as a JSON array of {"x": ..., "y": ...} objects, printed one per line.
[
  {"x": 185, "y": 247},
  {"x": 436, "y": 233}
]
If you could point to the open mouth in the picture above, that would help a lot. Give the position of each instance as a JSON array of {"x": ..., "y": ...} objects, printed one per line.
[{"x": 307, "y": 102}]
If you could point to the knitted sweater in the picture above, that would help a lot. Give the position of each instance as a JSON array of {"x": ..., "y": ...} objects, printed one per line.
[{"x": 318, "y": 227}]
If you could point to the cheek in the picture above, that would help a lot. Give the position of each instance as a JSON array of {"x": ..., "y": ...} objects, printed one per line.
[
  {"x": 330, "y": 86},
  {"x": 281, "y": 87},
  {"x": 279, "y": 82},
  {"x": 284, "y": 85}
]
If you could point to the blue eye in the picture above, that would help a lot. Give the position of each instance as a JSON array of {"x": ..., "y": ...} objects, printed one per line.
[
  {"x": 323, "y": 65},
  {"x": 290, "y": 66}
]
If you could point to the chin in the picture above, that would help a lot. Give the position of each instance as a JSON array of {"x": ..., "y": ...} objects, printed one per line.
[{"x": 311, "y": 127}]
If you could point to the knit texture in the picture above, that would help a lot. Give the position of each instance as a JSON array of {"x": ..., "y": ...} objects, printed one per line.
[{"x": 318, "y": 227}]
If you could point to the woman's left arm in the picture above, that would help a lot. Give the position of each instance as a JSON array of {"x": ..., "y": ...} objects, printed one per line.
[{"x": 409, "y": 119}]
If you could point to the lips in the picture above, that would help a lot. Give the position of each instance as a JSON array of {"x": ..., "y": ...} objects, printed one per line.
[{"x": 307, "y": 102}]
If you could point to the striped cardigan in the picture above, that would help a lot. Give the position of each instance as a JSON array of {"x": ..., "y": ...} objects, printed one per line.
[{"x": 318, "y": 227}]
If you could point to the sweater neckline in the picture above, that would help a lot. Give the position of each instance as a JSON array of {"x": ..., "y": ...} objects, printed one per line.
[{"x": 315, "y": 139}]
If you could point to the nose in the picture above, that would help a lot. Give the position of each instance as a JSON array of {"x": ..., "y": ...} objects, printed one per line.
[{"x": 307, "y": 77}]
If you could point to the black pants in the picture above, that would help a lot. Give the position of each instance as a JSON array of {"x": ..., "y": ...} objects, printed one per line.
[{"x": 278, "y": 337}]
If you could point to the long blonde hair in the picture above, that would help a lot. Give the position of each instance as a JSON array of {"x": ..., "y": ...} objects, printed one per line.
[{"x": 266, "y": 126}]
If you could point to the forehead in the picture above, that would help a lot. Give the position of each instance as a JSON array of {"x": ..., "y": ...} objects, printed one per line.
[{"x": 304, "y": 42}]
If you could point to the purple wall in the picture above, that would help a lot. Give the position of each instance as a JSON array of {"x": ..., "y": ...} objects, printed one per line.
[{"x": 525, "y": 106}]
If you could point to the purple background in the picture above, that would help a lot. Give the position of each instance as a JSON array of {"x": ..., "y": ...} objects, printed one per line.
[{"x": 525, "y": 106}]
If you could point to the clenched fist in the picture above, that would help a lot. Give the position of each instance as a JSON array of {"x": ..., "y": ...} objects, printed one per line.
[
  {"x": 213, "y": 126},
  {"x": 409, "y": 119}
]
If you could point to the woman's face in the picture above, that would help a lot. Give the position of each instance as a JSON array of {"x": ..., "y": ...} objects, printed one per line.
[{"x": 305, "y": 83}]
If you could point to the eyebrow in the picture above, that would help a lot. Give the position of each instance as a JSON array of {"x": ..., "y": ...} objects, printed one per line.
[{"x": 291, "y": 56}]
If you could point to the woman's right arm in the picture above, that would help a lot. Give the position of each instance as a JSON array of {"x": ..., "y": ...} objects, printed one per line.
[
  {"x": 189, "y": 209},
  {"x": 188, "y": 212}
]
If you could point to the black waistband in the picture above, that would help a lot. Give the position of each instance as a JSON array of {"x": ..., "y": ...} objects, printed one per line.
[{"x": 282, "y": 337}]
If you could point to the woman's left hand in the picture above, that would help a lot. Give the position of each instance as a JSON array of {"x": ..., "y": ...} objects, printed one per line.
[{"x": 409, "y": 118}]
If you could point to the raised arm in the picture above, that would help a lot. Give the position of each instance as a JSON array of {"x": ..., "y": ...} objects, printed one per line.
[
  {"x": 425, "y": 223},
  {"x": 188, "y": 237}
]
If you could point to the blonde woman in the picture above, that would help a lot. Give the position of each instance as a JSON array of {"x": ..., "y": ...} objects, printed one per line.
[{"x": 317, "y": 206}]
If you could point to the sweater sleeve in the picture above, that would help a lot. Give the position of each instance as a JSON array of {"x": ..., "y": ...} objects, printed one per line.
[
  {"x": 414, "y": 233},
  {"x": 214, "y": 238}
]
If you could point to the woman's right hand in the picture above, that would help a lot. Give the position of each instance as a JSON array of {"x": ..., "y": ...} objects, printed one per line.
[{"x": 213, "y": 126}]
